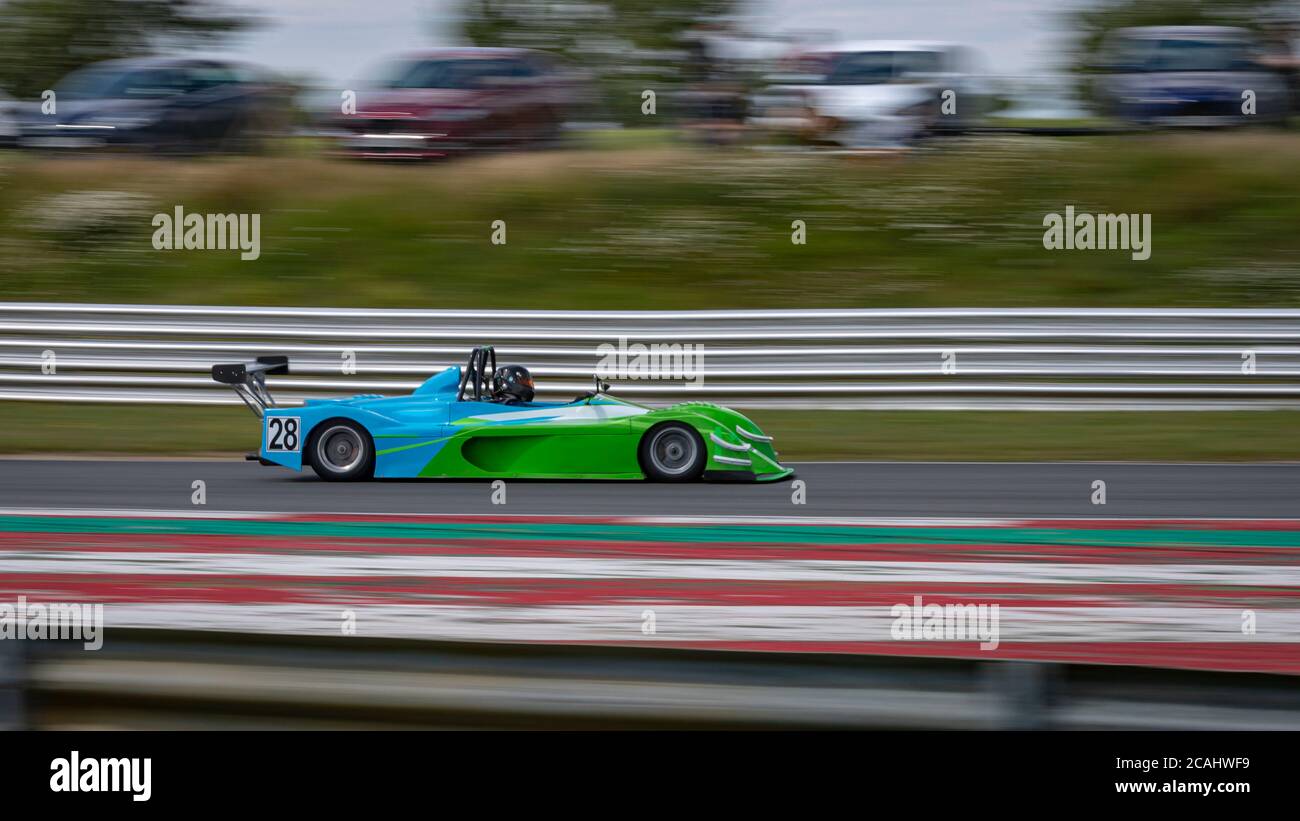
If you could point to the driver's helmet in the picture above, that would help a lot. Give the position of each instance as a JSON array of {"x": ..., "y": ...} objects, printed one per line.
[{"x": 512, "y": 383}]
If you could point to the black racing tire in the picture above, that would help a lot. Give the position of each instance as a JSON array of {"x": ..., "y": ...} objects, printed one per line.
[
  {"x": 672, "y": 452},
  {"x": 340, "y": 450}
]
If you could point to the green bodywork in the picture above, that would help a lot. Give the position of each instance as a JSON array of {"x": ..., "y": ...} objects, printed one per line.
[{"x": 589, "y": 449}]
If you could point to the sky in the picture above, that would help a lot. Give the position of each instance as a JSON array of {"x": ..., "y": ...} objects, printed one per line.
[{"x": 334, "y": 40}]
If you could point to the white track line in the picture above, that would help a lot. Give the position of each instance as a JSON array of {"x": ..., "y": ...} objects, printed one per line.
[
  {"x": 1066, "y": 520},
  {"x": 327, "y": 565},
  {"x": 678, "y": 623}
]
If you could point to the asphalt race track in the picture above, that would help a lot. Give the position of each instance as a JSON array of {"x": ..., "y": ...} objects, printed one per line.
[
  {"x": 1159, "y": 575},
  {"x": 832, "y": 489}
]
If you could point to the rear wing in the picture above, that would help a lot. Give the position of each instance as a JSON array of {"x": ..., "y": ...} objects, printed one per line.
[{"x": 249, "y": 380}]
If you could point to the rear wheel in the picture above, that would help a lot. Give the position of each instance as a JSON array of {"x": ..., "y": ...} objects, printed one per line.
[
  {"x": 673, "y": 452},
  {"x": 340, "y": 450}
]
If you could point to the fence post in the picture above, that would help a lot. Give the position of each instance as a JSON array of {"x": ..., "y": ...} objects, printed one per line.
[
  {"x": 1024, "y": 692},
  {"x": 13, "y": 680}
]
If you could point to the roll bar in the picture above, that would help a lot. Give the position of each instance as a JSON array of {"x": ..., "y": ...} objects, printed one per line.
[{"x": 477, "y": 376}]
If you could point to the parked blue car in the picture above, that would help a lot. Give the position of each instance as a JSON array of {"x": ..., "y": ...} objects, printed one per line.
[
  {"x": 1190, "y": 76},
  {"x": 157, "y": 104}
]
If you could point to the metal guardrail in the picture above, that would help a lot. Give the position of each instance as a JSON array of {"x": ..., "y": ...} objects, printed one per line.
[
  {"x": 1023, "y": 359},
  {"x": 175, "y": 679}
]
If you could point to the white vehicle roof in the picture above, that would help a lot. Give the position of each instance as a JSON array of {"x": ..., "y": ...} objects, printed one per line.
[{"x": 855, "y": 46}]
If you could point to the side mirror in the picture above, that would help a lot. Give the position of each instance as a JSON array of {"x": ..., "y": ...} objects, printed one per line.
[{"x": 601, "y": 387}]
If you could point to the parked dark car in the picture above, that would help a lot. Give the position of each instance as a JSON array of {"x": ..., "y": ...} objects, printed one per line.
[
  {"x": 1190, "y": 76},
  {"x": 159, "y": 104},
  {"x": 436, "y": 103}
]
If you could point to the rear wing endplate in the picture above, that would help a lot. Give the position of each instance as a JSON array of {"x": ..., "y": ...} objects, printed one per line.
[{"x": 249, "y": 380}]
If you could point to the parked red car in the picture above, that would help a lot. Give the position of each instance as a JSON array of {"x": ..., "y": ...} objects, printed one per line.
[{"x": 435, "y": 103}]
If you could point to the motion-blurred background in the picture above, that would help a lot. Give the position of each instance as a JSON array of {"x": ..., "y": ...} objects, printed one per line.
[
  {"x": 733, "y": 154},
  {"x": 586, "y": 125},
  {"x": 665, "y": 155}
]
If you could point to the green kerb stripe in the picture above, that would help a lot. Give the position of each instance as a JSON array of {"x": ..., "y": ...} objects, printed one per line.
[{"x": 636, "y": 532}]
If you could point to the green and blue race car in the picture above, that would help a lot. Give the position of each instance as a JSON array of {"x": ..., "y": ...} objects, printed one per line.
[{"x": 453, "y": 426}]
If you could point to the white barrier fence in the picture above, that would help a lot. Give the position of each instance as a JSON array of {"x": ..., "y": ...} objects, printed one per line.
[{"x": 1026, "y": 359}]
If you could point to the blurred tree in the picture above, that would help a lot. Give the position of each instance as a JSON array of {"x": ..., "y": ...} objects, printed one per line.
[
  {"x": 43, "y": 40},
  {"x": 627, "y": 45},
  {"x": 1092, "y": 21}
]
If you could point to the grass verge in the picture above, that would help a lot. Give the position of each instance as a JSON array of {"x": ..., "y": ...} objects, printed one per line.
[{"x": 637, "y": 224}]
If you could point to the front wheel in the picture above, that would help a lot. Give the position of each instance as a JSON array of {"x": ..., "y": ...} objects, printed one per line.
[
  {"x": 341, "y": 451},
  {"x": 672, "y": 453}
]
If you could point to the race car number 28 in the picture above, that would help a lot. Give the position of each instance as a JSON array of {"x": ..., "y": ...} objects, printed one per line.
[{"x": 282, "y": 433}]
